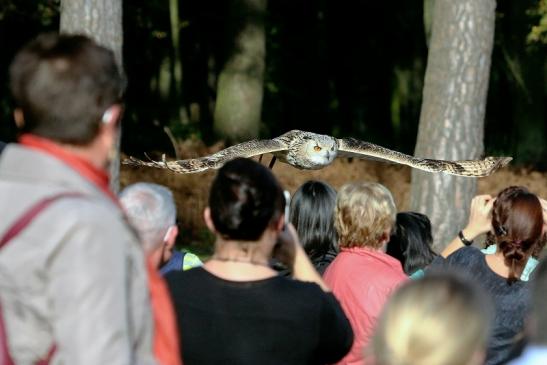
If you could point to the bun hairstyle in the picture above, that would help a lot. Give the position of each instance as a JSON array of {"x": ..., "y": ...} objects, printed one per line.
[
  {"x": 517, "y": 221},
  {"x": 244, "y": 199}
]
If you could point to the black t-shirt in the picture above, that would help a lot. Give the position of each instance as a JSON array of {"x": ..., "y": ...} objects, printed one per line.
[
  {"x": 271, "y": 321},
  {"x": 511, "y": 301}
]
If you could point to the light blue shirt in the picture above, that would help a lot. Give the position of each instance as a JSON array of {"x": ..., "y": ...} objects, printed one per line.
[
  {"x": 530, "y": 264},
  {"x": 532, "y": 355}
]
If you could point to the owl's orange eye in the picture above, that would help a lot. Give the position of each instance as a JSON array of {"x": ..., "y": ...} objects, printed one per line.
[{"x": 317, "y": 148}]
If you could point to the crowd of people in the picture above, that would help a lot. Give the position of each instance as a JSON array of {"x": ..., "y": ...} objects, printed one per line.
[{"x": 88, "y": 277}]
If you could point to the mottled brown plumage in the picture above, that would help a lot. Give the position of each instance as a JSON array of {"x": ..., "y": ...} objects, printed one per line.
[{"x": 310, "y": 151}]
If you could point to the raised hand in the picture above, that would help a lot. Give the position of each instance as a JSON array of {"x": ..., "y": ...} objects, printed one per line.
[{"x": 480, "y": 216}]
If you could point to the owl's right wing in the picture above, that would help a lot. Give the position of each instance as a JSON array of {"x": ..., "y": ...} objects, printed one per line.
[
  {"x": 351, "y": 147},
  {"x": 215, "y": 161}
]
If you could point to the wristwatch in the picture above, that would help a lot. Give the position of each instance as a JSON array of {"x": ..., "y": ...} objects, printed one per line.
[{"x": 464, "y": 240}]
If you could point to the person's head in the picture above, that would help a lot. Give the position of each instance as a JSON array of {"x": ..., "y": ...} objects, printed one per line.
[
  {"x": 411, "y": 240},
  {"x": 364, "y": 215},
  {"x": 152, "y": 212},
  {"x": 66, "y": 88},
  {"x": 517, "y": 222},
  {"x": 244, "y": 201},
  {"x": 437, "y": 320},
  {"x": 312, "y": 214},
  {"x": 538, "y": 320}
]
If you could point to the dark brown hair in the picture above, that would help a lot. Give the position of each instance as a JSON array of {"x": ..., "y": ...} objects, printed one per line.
[
  {"x": 244, "y": 199},
  {"x": 64, "y": 84},
  {"x": 517, "y": 221}
]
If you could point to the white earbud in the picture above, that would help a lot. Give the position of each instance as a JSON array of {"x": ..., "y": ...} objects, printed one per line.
[{"x": 107, "y": 116}]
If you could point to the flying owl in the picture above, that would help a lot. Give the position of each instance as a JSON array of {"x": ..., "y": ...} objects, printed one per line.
[{"x": 311, "y": 151}]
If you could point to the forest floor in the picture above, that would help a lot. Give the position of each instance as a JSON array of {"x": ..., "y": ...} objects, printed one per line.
[{"x": 191, "y": 190}]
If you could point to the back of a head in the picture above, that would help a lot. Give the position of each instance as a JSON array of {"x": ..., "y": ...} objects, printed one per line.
[
  {"x": 312, "y": 214},
  {"x": 437, "y": 320},
  {"x": 538, "y": 320},
  {"x": 364, "y": 213},
  {"x": 63, "y": 84},
  {"x": 517, "y": 221},
  {"x": 244, "y": 199},
  {"x": 411, "y": 240},
  {"x": 151, "y": 210}
]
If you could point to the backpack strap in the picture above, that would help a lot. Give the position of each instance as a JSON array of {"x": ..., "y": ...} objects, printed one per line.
[
  {"x": 30, "y": 214},
  {"x": 13, "y": 231}
]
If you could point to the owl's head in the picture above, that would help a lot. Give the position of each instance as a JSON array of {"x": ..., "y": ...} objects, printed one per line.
[{"x": 319, "y": 149}]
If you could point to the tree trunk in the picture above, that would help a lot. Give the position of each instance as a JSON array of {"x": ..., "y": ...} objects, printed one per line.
[
  {"x": 102, "y": 21},
  {"x": 240, "y": 84},
  {"x": 453, "y": 106}
]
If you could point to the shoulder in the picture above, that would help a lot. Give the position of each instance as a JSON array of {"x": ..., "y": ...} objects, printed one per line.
[
  {"x": 465, "y": 254},
  {"x": 186, "y": 280}
]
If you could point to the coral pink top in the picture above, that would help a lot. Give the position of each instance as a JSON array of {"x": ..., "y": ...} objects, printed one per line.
[{"x": 362, "y": 279}]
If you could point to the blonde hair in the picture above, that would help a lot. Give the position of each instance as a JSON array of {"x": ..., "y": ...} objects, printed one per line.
[
  {"x": 364, "y": 213},
  {"x": 437, "y": 320}
]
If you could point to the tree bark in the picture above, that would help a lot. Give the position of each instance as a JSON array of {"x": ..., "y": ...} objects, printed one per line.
[
  {"x": 100, "y": 20},
  {"x": 240, "y": 84},
  {"x": 453, "y": 107}
]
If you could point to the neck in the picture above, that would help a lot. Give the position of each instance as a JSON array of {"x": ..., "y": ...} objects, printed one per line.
[
  {"x": 241, "y": 260},
  {"x": 242, "y": 251},
  {"x": 496, "y": 263},
  {"x": 87, "y": 153}
]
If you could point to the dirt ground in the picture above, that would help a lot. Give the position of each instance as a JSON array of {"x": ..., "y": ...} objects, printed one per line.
[{"x": 191, "y": 190}]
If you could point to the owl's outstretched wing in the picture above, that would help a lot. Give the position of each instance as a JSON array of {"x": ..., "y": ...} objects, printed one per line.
[
  {"x": 216, "y": 160},
  {"x": 351, "y": 147}
]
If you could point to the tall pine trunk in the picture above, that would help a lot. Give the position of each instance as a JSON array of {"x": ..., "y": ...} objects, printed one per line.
[
  {"x": 101, "y": 20},
  {"x": 453, "y": 107},
  {"x": 240, "y": 83}
]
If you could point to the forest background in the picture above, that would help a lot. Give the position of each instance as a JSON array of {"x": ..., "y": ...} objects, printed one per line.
[{"x": 345, "y": 68}]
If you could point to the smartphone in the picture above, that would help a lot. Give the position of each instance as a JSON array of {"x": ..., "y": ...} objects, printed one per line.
[{"x": 287, "y": 205}]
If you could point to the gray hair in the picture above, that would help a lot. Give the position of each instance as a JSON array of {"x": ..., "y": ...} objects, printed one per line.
[{"x": 151, "y": 210}]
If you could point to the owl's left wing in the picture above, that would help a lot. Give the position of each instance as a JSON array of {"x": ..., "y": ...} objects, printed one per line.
[
  {"x": 351, "y": 147},
  {"x": 216, "y": 160}
]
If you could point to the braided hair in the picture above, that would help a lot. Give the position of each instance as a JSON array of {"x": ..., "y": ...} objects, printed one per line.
[{"x": 517, "y": 221}]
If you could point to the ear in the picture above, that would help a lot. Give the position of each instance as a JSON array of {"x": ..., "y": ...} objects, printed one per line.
[
  {"x": 384, "y": 238},
  {"x": 209, "y": 220},
  {"x": 280, "y": 223},
  {"x": 171, "y": 236},
  {"x": 112, "y": 115},
  {"x": 19, "y": 118},
  {"x": 108, "y": 129}
]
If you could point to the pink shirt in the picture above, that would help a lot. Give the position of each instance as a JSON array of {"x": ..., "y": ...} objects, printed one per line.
[{"x": 362, "y": 279}]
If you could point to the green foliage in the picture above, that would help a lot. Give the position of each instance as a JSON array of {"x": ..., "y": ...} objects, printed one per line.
[
  {"x": 538, "y": 33},
  {"x": 345, "y": 68}
]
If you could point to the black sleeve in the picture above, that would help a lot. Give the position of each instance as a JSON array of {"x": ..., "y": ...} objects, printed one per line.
[
  {"x": 335, "y": 333},
  {"x": 458, "y": 261}
]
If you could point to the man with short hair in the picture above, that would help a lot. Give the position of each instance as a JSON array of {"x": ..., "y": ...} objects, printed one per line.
[
  {"x": 151, "y": 210},
  {"x": 73, "y": 284}
]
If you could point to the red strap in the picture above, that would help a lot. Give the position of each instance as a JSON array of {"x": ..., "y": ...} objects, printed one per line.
[
  {"x": 5, "y": 358},
  {"x": 11, "y": 233},
  {"x": 30, "y": 214}
]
